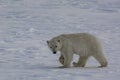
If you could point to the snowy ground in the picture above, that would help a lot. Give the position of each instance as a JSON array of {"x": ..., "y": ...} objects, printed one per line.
[{"x": 25, "y": 25}]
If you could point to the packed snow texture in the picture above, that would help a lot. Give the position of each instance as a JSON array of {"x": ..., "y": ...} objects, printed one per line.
[{"x": 26, "y": 25}]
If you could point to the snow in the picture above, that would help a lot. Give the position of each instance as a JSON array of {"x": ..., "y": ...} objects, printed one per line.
[{"x": 26, "y": 25}]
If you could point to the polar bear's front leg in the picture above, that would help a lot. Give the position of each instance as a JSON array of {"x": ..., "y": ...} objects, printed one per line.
[
  {"x": 67, "y": 59},
  {"x": 82, "y": 61},
  {"x": 61, "y": 59}
]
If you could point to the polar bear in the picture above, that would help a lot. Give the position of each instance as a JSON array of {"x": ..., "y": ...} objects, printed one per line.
[{"x": 82, "y": 44}]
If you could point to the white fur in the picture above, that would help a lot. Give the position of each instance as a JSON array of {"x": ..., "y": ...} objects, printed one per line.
[{"x": 82, "y": 44}]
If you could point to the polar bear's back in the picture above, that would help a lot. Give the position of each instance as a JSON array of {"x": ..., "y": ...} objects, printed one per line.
[{"x": 80, "y": 37}]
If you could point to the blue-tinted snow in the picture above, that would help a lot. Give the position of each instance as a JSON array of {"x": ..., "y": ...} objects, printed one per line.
[{"x": 26, "y": 25}]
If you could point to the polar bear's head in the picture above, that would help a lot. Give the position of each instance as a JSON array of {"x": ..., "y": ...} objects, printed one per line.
[{"x": 54, "y": 45}]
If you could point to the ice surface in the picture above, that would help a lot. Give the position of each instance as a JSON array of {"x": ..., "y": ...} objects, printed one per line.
[{"x": 26, "y": 25}]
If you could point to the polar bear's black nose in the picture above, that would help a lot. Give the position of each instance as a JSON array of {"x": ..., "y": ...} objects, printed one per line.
[{"x": 54, "y": 52}]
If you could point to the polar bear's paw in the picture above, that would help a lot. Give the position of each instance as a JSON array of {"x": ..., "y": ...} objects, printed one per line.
[
  {"x": 78, "y": 64},
  {"x": 75, "y": 64},
  {"x": 61, "y": 59}
]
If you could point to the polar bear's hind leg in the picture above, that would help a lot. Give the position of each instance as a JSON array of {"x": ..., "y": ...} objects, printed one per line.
[{"x": 101, "y": 59}]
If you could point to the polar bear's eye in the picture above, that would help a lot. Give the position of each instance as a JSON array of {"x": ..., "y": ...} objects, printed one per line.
[{"x": 55, "y": 46}]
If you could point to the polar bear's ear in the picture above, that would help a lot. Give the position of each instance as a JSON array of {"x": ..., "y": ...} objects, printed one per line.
[{"x": 47, "y": 42}]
